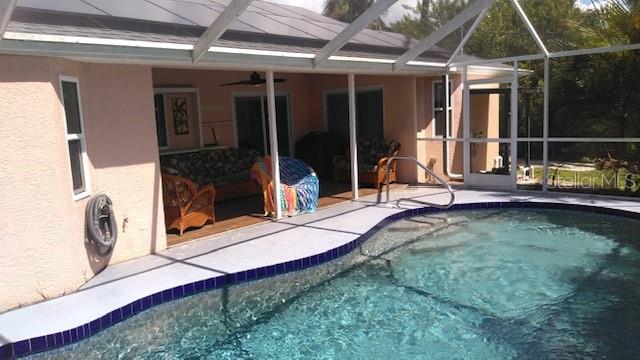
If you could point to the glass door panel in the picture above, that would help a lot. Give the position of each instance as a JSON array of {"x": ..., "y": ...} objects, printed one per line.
[
  {"x": 250, "y": 123},
  {"x": 253, "y": 127},
  {"x": 283, "y": 122}
]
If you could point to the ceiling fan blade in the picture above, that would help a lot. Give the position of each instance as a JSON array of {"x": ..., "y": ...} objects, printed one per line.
[
  {"x": 255, "y": 80},
  {"x": 245, "y": 82}
]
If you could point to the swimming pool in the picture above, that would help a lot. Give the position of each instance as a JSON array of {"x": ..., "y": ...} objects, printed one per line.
[{"x": 481, "y": 284}]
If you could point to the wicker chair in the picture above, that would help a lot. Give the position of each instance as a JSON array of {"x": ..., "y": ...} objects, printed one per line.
[
  {"x": 185, "y": 205},
  {"x": 299, "y": 185},
  {"x": 373, "y": 155}
]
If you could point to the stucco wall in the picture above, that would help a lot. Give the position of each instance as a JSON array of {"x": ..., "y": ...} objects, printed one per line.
[
  {"x": 42, "y": 248},
  {"x": 216, "y": 102},
  {"x": 485, "y": 122},
  {"x": 432, "y": 152}
]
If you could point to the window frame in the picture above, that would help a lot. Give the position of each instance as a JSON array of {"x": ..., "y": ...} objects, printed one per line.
[
  {"x": 166, "y": 131},
  {"x": 434, "y": 109},
  {"x": 86, "y": 192}
]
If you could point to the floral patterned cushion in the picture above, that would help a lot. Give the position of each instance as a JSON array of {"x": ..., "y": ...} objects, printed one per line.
[
  {"x": 218, "y": 167},
  {"x": 369, "y": 152}
]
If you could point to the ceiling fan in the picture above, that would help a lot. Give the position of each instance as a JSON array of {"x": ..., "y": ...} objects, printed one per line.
[{"x": 254, "y": 80}]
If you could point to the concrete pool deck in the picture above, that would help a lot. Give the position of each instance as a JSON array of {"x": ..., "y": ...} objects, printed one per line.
[{"x": 254, "y": 247}]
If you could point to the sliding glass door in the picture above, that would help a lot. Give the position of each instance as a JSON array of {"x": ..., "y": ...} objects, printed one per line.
[{"x": 252, "y": 129}]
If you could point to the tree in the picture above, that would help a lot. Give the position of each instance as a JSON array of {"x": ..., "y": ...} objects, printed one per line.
[
  {"x": 427, "y": 16},
  {"x": 348, "y": 10}
]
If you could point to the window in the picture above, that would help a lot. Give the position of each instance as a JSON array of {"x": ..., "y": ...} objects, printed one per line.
[
  {"x": 75, "y": 136},
  {"x": 439, "y": 117},
  {"x": 369, "y": 113}
]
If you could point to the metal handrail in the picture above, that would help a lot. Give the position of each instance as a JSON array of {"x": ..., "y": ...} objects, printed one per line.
[{"x": 422, "y": 166}]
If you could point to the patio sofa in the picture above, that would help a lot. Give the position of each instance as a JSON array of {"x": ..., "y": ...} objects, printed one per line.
[
  {"x": 373, "y": 155},
  {"x": 226, "y": 169}
]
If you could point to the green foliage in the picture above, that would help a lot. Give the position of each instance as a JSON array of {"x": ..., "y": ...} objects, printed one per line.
[
  {"x": 348, "y": 10},
  {"x": 427, "y": 16}
]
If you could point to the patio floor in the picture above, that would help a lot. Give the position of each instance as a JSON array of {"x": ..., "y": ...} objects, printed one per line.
[
  {"x": 261, "y": 245},
  {"x": 238, "y": 213}
]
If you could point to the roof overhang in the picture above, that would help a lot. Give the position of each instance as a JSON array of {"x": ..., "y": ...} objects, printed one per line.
[{"x": 180, "y": 55}]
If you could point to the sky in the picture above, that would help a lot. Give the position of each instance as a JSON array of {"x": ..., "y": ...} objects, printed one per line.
[{"x": 397, "y": 10}]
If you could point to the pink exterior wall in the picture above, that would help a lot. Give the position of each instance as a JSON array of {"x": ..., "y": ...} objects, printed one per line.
[
  {"x": 42, "y": 239},
  {"x": 431, "y": 152},
  {"x": 216, "y": 102},
  {"x": 484, "y": 122}
]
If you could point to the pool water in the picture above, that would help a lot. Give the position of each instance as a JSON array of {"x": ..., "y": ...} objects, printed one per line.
[{"x": 486, "y": 284}]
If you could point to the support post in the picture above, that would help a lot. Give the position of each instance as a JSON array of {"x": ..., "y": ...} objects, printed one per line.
[
  {"x": 353, "y": 139},
  {"x": 273, "y": 143},
  {"x": 419, "y": 152},
  {"x": 514, "y": 127},
  {"x": 466, "y": 114},
  {"x": 545, "y": 128},
  {"x": 447, "y": 120}
]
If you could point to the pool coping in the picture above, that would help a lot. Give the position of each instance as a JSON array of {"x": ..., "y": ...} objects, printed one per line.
[{"x": 63, "y": 338}]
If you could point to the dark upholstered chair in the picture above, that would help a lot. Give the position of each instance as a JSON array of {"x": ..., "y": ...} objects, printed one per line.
[{"x": 373, "y": 155}]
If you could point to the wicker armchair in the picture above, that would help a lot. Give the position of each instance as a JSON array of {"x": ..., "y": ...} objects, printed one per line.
[
  {"x": 185, "y": 205},
  {"x": 373, "y": 155},
  {"x": 299, "y": 185}
]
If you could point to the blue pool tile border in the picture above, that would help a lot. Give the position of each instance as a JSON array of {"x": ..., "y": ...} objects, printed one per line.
[{"x": 70, "y": 336}]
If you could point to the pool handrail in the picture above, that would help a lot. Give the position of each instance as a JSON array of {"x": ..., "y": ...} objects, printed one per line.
[{"x": 430, "y": 172}]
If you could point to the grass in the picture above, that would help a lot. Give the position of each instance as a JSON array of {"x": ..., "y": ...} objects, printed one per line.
[{"x": 583, "y": 179}]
